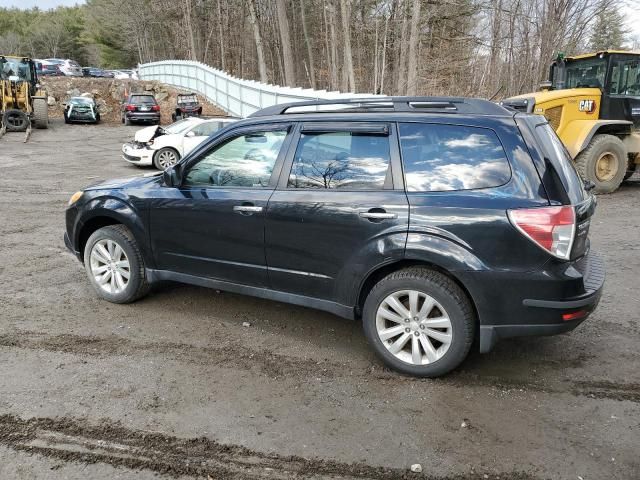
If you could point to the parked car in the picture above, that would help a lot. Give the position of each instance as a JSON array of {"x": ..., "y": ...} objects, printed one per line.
[
  {"x": 437, "y": 222},
  {"x": 140, "y": 107},
  {"x": 163, "y": 147},
  {"x": 68, "y": 67},
  {"x": 187, "y": 105},
  {"x": 94, "y": 72},
  {"x": 45, "y": 68},
  {"x": 124, "y": 74},
  {"x": 81, "y": 109}
]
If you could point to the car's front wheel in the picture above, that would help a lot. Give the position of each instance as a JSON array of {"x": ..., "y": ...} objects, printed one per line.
[
  {"x": 114, "y": 265},
  {"x": 419, "y": 321},
  {"x": 165, "y": 157}
]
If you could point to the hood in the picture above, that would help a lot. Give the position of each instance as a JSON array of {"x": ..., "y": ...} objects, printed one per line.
[
  {"x": 146, "y": 134},
  {"x": 550, "y": 95},
  {"x": 138, "y": 181}
]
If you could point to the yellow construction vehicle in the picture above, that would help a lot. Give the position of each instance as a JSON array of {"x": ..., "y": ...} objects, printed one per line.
[
  {"x": 593, "y": 103},
  {"x": 23, "y": 102}
]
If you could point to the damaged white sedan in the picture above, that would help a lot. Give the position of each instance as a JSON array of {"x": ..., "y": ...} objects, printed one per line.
[{"x": 163, "y": 147}]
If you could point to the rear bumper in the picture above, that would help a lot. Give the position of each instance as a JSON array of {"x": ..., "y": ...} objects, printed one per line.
[
  {"x": 569, "y": 290},
  {"x": 143, "y": 116}
]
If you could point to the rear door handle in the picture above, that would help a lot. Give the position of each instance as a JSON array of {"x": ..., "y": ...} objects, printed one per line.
[
  {"x": 378, "y": 215},
  {"x": 247, "y": 209}
]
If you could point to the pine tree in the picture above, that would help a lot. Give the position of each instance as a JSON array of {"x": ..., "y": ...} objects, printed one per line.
[{"x": 608, "y": 29}]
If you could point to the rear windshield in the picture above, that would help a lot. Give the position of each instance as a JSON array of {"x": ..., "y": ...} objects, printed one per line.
[
  {"x": 145, "y": 99},
  {"x": 187, "y": 99},
  {"x": 555, "y": 151}
]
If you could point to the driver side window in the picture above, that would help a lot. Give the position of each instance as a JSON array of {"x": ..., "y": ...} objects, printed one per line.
[{"x": 243, "y": 161}]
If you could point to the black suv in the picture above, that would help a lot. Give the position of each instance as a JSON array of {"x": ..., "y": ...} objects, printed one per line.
[
  {"x": 140, "y": 107},
  {"x": 437, "y": 222}
]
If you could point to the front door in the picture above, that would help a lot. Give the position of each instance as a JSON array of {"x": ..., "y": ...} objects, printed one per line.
[
  {"x": 335, "y": 214},
  {"x": 213, "y": 224}
]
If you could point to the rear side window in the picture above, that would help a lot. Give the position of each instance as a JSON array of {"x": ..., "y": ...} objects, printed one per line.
[
  {"x": 556, "y": 153},
  {"x": 340, "y": 160},
  {"x": 145, "y": 99},
  {"x": 441, "y": 158}
]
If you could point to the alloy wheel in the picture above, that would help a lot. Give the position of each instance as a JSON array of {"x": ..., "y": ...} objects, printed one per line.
[
  {"x": 414, "y": 327},
  {"x": 167, "y": 158},
  {"x": 110, "y": 266}
]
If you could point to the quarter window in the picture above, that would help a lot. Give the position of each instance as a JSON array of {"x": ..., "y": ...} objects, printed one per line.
[
  {"x": 340, "y": 160},
  {"x": 451, "y": 157},
  {"x": 244, "y": 161}
]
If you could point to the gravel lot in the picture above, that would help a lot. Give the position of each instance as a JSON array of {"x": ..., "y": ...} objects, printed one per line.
[{"x": 174, "y": 385}]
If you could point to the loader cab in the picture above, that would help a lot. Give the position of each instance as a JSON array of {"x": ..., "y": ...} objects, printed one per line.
[{"x": 615, "y": 73}]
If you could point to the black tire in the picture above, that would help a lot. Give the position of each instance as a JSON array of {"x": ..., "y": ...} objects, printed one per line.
[
  {"x": 40, "y": 113},
  {"x": 66, "y": 119},
  {"x": 15, "y": 120},
  {"x": 127, "y": 122},
  {"x": 137, "y": 286},
  {"x": 587, "y": 161},
  {"x": 97, "y": 118},
  {"x": 122, "y": 118},
  {"x": 447, "y": 293},
  {"x": 157, "y": 157}
]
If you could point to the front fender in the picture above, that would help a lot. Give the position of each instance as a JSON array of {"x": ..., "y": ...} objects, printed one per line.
[{"x": 116, "y": 209}]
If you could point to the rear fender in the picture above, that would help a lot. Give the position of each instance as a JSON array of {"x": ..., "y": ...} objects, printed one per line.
[{"x": 578, "y": 133}]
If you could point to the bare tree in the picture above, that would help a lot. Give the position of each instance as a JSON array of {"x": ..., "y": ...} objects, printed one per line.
[
  {"x": 262, "y": 66},
  {"x": 285, "y": 39}
]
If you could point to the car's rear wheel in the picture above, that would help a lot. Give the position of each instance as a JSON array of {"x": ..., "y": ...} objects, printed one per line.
[
  {"x": 127, "y": 122},
  {"x": 419, "y": 322},
  {"x": 165, "y": 157},
  {"x": 114, "y": 265}
]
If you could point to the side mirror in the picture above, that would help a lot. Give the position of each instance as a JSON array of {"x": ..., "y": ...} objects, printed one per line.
[
  {"x": 190, "y": 134},
  {"x": 170, "y": 177}
]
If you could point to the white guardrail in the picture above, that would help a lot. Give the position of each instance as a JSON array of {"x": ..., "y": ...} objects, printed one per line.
[{"x": 236, "y": 96}]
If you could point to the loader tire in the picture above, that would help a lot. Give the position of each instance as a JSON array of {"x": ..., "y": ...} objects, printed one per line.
[
  {"x": 15, "y": 120},
  {"x": 603, "y": 162},
  {"x": 40, "y": 113}
]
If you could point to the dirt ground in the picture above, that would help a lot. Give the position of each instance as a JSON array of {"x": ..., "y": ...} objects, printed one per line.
[{"x": 175, "y": 386}]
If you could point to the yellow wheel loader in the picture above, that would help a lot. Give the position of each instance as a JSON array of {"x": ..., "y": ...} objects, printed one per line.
[
  {"x": 23, "y": 102},
  {"x": 593, "y": 103}
]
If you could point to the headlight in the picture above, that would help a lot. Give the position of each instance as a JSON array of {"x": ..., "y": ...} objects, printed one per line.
[{"x": 75, "y": 197}]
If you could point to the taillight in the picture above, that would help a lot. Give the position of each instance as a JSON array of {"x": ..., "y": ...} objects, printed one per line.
[
  {"x": 155, "y": 108},
  {"x": 551, "y": 228},
  {"x": 130, "y": 108}
]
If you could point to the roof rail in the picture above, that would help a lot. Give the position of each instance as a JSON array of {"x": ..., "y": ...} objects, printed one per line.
[{"x": 463, "y": 105}]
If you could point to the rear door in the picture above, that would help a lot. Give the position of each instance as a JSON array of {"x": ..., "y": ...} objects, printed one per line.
[{"x": 335, "y": 214}]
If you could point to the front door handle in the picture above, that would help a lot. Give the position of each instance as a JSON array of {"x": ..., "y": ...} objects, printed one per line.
[
  {"x": 247, "y": 209},
  {"x": 378, "y": 215}
]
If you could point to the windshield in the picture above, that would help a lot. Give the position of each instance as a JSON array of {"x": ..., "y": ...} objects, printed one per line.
[
  {"x": 179, "y": 126},
  {"x": 144, "y": 99},
  {"x": 81, "y": 101},
  {"x": 589, "y": 72},
  {"x": 12, "y": 67}
]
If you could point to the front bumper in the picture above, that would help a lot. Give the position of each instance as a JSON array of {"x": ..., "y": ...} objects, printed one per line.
[
  {"x": 553, "y": 300},
  {"x": 137, "y": 155},
  {"x": 69, "y": 245}
]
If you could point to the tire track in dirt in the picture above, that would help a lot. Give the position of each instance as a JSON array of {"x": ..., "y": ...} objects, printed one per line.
[
  {"x": 233, "y": 355},
  {"x": 76, "y": 440}
]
